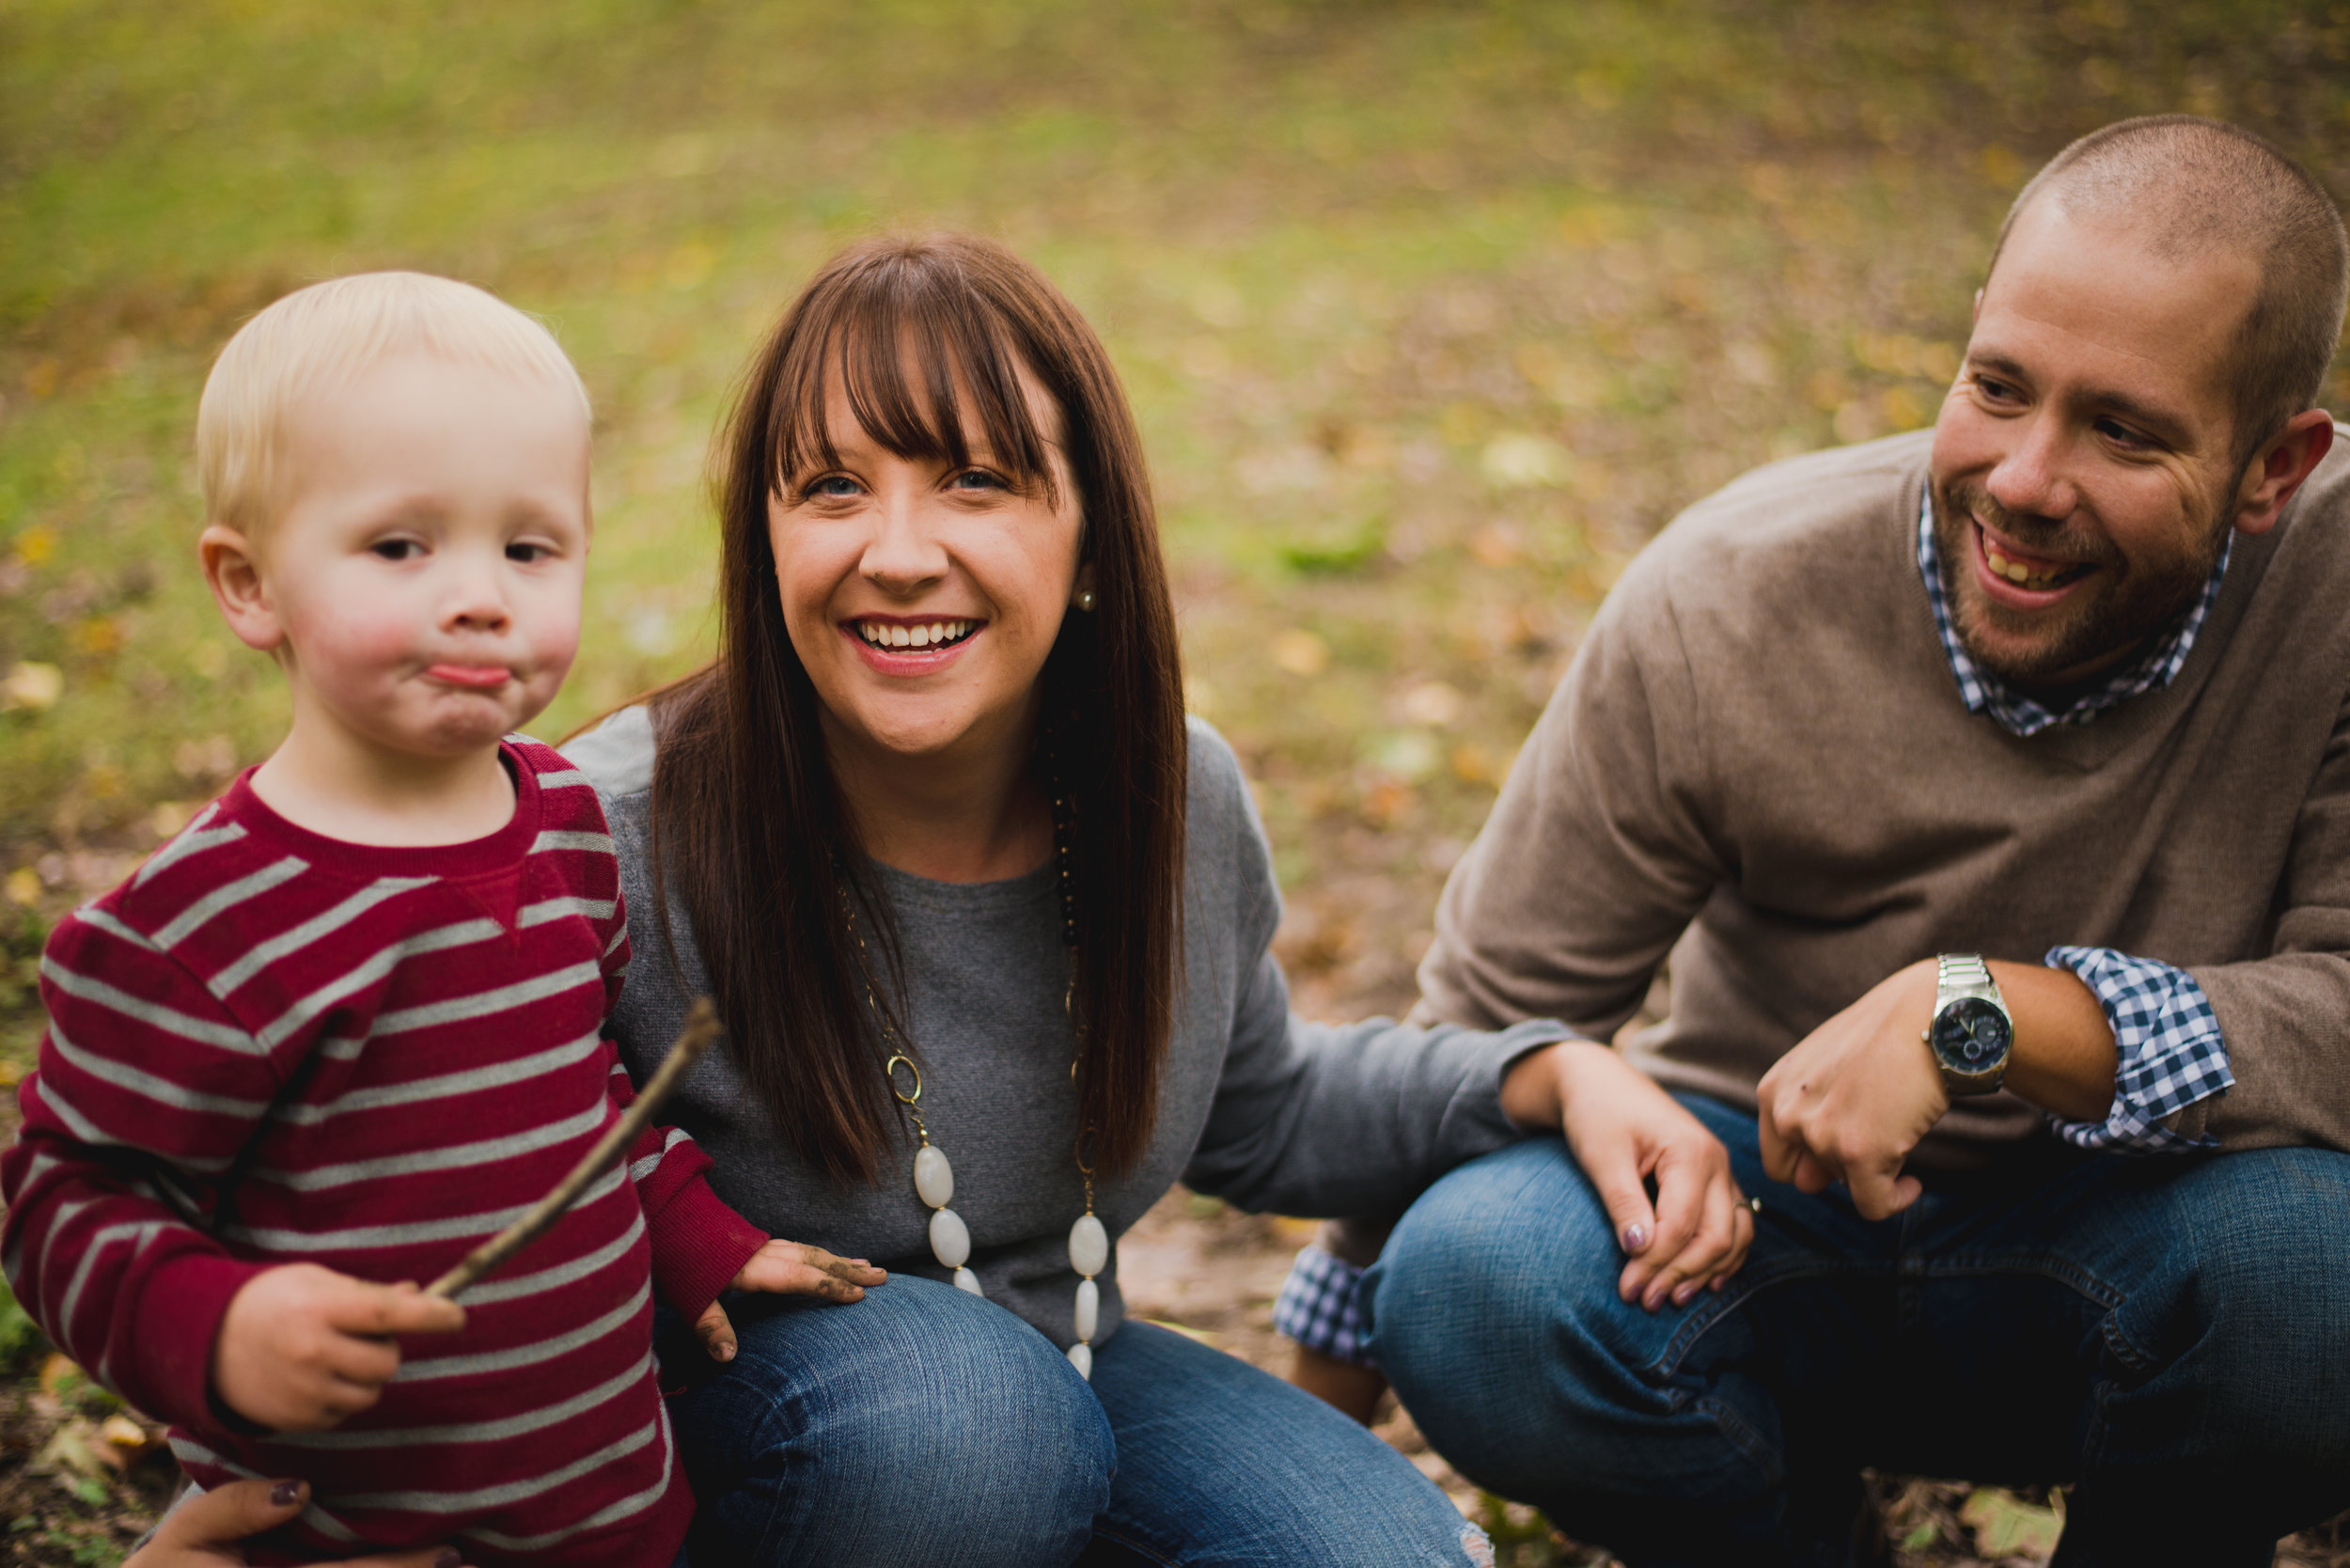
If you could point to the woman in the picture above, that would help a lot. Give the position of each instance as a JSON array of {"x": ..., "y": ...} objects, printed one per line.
[{"x": 932, "y": 830}]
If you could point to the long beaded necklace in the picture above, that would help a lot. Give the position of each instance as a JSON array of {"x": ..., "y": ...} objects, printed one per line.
[{"x": 934, "y": 1178}]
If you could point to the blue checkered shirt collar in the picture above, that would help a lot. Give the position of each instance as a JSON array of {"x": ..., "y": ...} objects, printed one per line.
[{"x": 2018, "y": 715}]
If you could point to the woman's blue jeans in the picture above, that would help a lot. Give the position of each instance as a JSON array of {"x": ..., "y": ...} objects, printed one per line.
[
  {"x": 924, "y": 1426},
  {"x": 2171, "y": 1334}
]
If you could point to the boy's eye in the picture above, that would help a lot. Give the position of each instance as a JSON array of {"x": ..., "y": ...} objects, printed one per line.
[
  {"x": 396, "y": 549},
  {"x": 525, "y": 551}
]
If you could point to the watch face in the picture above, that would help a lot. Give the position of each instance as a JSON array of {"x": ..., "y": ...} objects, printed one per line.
[{"x": 1971, "y": 1035}]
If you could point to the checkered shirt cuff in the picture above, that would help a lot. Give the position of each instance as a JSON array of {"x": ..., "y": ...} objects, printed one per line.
[
  {"x": 1317, "y": 1306},
  {"x": 2166, "y": 1039}
]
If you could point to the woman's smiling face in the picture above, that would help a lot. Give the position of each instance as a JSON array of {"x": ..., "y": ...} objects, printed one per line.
[{"x": 922, "y": 596}]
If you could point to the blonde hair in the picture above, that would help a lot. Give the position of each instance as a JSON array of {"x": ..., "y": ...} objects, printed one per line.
[{"x": 315, "y": 339}]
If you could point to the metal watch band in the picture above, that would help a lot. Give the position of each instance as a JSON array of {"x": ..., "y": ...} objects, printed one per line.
[{"x": 1960, "y": 972}]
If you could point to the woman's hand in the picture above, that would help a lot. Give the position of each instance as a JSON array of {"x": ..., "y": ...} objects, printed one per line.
[
  {"x": 1624, "y": 1130},
  {"x": 788, "y": 1268},
  {"x": 204, "y": 1531}
]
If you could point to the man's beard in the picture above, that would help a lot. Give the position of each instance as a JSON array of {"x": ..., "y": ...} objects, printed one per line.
[{"x": 2123, "y": 608}]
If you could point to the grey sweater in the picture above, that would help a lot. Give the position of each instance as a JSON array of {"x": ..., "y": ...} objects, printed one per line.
[{"x": 1257, "y": 1106}]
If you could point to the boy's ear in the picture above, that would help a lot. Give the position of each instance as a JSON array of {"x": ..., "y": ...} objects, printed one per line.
[{"x": 233, "y": 569}]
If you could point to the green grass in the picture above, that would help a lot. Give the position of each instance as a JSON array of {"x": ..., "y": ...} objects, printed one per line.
[{"x": 1431, "y": 312}]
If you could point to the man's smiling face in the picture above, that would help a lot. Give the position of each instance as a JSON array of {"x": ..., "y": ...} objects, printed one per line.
[{"x": 2084, "y": 468}]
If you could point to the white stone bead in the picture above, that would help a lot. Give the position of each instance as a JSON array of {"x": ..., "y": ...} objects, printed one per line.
[
  {"x": 1088, "y": 1308},
  {"x": 1089, "y": 1246},
  {"x": 967, "y": 1280},
  {"x": 950, "y": 1239},
  {"x": 1081, "y": 1357},
  {"x": 933, "y": 1178}
]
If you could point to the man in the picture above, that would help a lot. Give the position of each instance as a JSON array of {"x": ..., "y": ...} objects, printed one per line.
[{"x": 1992, "y": 796}]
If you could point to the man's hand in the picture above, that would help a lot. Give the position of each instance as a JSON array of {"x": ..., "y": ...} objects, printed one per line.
[
  {"x": 302, "y": 1348},
  {"x": 205, "y": 1530},
  {"x": 1852, "y": 1100},
  {"x": 788, "y": 1268},
  {"x": 1625, "y": 1131}
]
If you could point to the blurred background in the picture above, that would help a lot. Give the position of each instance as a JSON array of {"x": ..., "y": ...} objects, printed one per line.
[{"x": 1431, "y": 313}]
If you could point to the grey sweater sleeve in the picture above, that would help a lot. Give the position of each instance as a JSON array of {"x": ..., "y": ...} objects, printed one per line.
[{"x": 1321, "y": 1119}]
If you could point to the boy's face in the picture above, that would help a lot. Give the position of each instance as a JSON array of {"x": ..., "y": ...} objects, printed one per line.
[{"x": 422, "y": 584}]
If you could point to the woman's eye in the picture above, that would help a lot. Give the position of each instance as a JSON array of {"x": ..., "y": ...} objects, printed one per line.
[
  {"x": 831, "y": 485},
  {"x": 396, "y": 549},
  {"x": 979, "y": 478}
]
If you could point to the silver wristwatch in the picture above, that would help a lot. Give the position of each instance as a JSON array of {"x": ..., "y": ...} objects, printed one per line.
[{"x": 1971, "y": 1034}]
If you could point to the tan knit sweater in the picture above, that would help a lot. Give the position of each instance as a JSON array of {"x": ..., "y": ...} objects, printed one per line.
[{"x": 1760, "y": 761}]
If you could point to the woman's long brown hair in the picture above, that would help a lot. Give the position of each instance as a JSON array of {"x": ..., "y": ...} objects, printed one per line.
[{"x": 748, "y": 827}]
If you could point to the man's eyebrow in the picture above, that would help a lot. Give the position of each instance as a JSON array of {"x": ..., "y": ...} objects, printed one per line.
[{"x": 2158, "y": 421}]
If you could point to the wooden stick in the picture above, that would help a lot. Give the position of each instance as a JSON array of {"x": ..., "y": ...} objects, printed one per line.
[{"x": 701, "y": 1029}]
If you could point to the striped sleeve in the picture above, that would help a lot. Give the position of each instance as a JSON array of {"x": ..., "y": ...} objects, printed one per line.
[
  {"x": 146, "y": 1090},
  {"x": 700, "y": 1244}
]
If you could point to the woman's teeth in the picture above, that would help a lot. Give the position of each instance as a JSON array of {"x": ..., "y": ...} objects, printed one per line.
[
  {"x": 937, "y": 631},
  {"x": 2016, "y": 574}
]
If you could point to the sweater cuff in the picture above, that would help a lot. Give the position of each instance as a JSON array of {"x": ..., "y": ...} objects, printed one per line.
[
  {"x": 171, "y": 1372},
  {"x": 698, "y": 1245}
]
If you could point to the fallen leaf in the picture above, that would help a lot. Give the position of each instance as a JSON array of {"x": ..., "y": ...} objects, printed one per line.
[
  {"x": 1301, "y": 653},
  {"x": 121, "y": 1432},
  {"x": 33, "y": 686},
  {"x": 1433, "y": 703},
  {"x": 56, "y": 1372},
  {"x": 75, "y": 1448},
  {"x": 2006, "y": 1525}
]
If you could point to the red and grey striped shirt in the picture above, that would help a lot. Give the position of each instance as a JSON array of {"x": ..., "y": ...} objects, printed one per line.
[{"x": 270, "y": 1046}]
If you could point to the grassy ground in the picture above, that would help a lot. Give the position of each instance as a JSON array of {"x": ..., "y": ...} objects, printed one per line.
[{"x": 1431, "y": 312}]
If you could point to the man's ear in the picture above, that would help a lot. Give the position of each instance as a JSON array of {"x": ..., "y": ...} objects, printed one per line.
[
  {"x": 2279, "y": 468},
  {"x": 233, "y": 569}
]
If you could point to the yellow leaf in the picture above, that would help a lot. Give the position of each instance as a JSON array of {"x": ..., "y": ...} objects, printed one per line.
[
  {"x": 33, "y": 686},
  {"x": 98, "y": 634},
  {"x": 24, "y": 886},
  {"x": 1301, "y": 653},
  {"x": 58, "y": 1372},
  {"x": 121, "y": 1432},
  {"x": 2006, "y": 1525}
]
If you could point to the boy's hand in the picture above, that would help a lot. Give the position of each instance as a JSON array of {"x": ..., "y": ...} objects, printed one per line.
[
  {"x": 302, "y": 1348},
  {"x": 788, "y": 1268}
]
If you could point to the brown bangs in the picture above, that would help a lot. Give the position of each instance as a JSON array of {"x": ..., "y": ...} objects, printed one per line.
[{"x": 908, "y": 358}]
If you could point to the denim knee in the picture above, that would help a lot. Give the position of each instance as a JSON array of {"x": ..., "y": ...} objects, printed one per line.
[
  {"x": 2249, "y": 1314},
  {"x": 1494, "y": 1311},
  {"x": 919, "y": 1424}
]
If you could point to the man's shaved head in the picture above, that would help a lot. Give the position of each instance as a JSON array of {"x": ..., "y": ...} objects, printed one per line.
[{"x": 2187, "y": 186}]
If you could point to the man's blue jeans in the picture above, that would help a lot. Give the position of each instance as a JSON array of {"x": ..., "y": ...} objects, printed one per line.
[
  {"x": 2171, "y": 1334},
  {"x": 924, "y": 1426}
]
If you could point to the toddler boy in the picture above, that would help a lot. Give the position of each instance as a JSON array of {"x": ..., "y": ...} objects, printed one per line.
[{"x": 349, "y": 1023}]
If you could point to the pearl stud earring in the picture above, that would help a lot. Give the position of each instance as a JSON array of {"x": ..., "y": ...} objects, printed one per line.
[{"x": 1085, "y": 598}]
